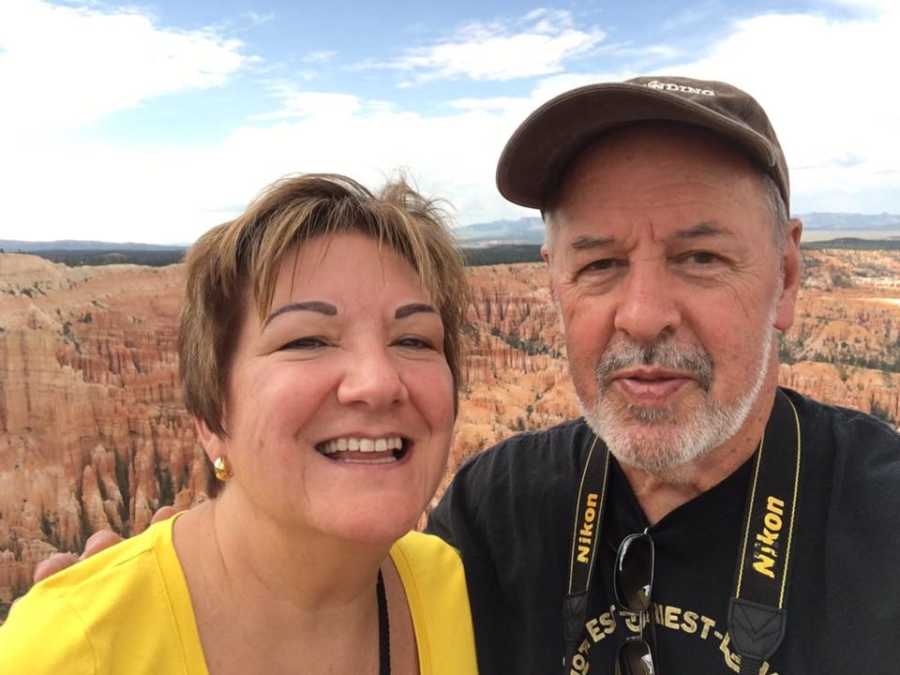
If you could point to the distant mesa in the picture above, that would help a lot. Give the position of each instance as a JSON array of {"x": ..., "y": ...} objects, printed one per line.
[
  {"x": 76, "y": 253},
  {"x": 17, "y": 246},
  {"x": 850, "y": 221},
  {"x": 521, "y": 231},
  {"x": 531, "y": 230},
  {"x": 521, "y": 238}
]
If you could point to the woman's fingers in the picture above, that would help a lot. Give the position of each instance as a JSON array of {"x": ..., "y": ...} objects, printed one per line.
[
  {"x": 52, "y": 565},
  {"x": 162, "y": 513},
  {"x": 99, "y": 541}
]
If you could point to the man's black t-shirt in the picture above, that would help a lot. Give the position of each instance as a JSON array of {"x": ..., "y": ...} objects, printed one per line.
[{"x": 510, "y": 511}]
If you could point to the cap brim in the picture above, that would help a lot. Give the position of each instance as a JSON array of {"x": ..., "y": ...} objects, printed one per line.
[{"x": 549, "y": 138}]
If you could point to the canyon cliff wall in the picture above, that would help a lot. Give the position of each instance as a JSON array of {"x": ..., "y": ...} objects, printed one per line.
[
  {"x": 93, "y": 435},
  {"x": 92, "y": 431}
]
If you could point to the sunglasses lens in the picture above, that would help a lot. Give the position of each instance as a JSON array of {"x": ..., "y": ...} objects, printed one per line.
[
  {"x": 634, "y": 572},
  {"x": 634, "y": 659}
]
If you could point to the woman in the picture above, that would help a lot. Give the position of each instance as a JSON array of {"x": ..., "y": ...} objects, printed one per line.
[{"x": 320, "y": 355}]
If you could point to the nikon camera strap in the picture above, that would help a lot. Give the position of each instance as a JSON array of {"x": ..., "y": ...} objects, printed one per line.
[
  {"x": 757, "y": 614},
  {"x": 585, "y": 538}
]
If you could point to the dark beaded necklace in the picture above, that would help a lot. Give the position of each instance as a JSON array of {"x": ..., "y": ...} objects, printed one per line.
[{"x": 384, "y": 630}]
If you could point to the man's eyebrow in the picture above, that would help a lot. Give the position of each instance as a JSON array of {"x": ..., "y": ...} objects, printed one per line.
[
  {"x": 707, "y": 229},
  {"x": 586, "y": 242},
  {"x": 414, "y": 308},
  {"x": 312, "y": 306}
]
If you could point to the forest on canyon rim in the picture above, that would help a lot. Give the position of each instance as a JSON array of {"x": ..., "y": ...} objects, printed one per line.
[{"x": 93, "y": 434}]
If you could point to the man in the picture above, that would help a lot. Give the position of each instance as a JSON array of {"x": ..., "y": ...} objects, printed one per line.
[
  {"x": 616, "y": 542},
  {"x": 674, "y": 266}
]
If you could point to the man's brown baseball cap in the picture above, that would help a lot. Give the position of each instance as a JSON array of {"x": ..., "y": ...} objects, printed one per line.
[{"x": 548, "y": 140}]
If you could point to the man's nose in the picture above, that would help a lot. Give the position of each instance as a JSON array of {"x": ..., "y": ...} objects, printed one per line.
[
  {"x": 372, "y": 378},
  {"x": 648, "y": 308}
]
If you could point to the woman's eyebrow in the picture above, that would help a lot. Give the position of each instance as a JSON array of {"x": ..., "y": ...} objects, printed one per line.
[
  {"x": 414, "y": 308},
  {"x": 325, "y": 308}
]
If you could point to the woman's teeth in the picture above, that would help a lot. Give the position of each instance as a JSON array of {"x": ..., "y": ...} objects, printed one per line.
[{"x": 360, "y": 446}]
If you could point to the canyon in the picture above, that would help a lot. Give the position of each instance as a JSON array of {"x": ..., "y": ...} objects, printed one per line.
[{"x": 93, "y": 434}]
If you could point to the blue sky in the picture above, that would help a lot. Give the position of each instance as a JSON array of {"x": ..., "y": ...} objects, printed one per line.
[{"x": 152, "y": 122}]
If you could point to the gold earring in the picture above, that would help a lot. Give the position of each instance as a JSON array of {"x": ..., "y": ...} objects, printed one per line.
[{"x": 222, "y": 467}]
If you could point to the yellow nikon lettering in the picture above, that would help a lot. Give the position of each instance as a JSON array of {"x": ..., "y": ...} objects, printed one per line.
[
  {"x": 775, "y": 505},
  {"x": 765, "y": 553},
  {"x": 586, "y": 533},
  {"x": 772, "y": 522},
  {"x": 764, "y": 564}
]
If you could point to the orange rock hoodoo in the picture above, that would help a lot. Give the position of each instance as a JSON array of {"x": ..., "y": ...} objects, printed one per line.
[{"x": 93, "y": 434}]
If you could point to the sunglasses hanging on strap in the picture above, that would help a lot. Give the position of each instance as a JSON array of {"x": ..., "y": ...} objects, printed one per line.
[{"x": 757, "y": 614}]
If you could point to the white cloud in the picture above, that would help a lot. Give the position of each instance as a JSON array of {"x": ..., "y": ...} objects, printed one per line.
[
  {"x": 645, "y": 53},
  {"x": 878, "y": 6},
  {"x": 493, "y": 104},
  {"x": 173, "y": 194},
  {"x": 306, "y": 104},
  {"x": 258, "y": 18},
  {"x": 62, "y": 67},
  {"x": 319, "y": 56},
  {"x": 828, "y": 87},
  {"x": 538, "y": 44},
  {"x": 825, "y": 82}
]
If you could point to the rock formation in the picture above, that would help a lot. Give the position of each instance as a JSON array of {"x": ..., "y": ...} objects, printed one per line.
[
  {"x": 92, "y": 432},
  {"x": 93, "y": 435}
]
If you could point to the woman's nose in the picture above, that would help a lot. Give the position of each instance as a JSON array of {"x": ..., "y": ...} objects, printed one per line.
[{"x": 372, "y": 378}]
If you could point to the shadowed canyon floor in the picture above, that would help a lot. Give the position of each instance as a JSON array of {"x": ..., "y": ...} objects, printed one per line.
[{"x": 93, "y": 435}]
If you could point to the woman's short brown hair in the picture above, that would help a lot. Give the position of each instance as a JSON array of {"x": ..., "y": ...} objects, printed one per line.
[{"x": 240, "y": 259}]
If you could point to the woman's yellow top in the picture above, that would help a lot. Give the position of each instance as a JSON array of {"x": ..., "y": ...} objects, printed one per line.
[{"x": 127, "y": 610}]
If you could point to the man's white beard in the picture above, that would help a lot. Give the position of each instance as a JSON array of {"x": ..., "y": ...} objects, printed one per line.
[{"x": 670, "y": 441}]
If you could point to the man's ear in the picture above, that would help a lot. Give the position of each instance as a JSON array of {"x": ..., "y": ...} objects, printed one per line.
[
  {"x": 546, "y": 254},
  {"x": 791, "y": 271}
]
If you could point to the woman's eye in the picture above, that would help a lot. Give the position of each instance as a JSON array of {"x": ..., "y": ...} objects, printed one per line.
[
  {"x": 414, "y": 343},
  {"x": 306, "y": 343}
]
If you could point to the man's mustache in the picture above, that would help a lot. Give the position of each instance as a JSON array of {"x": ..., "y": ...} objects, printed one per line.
[{"x": 622, "y": 354}]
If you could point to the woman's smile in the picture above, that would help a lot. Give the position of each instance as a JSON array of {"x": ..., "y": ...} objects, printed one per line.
[{"x": 365, "y": 450}]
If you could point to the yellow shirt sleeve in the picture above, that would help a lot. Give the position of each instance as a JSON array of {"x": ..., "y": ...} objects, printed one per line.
[
  {"x": 435, "y": 584},
  {"x": 125, "y": 610},
  {"x": 44, "y": 634}
]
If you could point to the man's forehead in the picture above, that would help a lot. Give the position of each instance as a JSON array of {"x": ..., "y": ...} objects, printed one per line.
[
  {"x": 597, "y": 238},
  {"x": 655, "y": 172},
  {"x": 588, "y": 241}
]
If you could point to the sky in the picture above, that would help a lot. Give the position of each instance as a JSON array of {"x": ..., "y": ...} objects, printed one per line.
[{"x": 152, "y": 122}]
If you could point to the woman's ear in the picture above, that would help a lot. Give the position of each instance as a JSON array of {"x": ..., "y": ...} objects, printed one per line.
[{"x": 209, "y": 441}]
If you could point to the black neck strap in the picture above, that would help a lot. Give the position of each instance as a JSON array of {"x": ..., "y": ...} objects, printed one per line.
[
  {"x": 585, "y": 542},
  {"x": 757, "y": 613}
]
